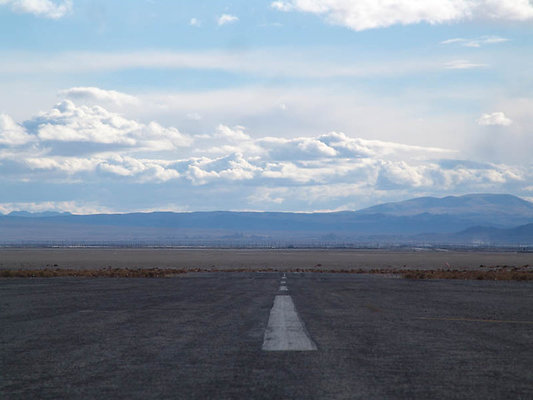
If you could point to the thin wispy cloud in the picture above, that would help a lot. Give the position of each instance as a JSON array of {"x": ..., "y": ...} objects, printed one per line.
[
  {"x": 99, "y": 95},
  {"x": 195, "y": 22},
  {"x": 481, "y": 41},
  {"x": 463, "y": 64},
  {"x": 267, "y": 62},
  {"x": 74, "y": 207}
]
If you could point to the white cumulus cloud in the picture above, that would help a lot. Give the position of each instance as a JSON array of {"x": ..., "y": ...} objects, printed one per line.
[
  {"x": 495, "y": 118},
  {"x": 232, "y": 134},
  {"x": 225, "y": 19},
  {"x": 367, "y": 14},
  {"x": 40, "y": 8},
  {"x": 11, "y": 133},
  {"x": 68, "y": 122}
]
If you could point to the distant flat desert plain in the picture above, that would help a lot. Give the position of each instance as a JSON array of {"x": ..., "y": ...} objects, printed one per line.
[{"x": 254, "y": 259}]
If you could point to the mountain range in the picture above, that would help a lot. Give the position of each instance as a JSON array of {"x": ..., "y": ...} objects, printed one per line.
[{"x": 492, "y": 219}]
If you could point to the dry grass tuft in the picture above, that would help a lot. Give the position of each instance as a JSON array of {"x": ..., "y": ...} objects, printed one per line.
[
  {"x": 494, "y": 273},
  {"x": 91, "y": 273}
]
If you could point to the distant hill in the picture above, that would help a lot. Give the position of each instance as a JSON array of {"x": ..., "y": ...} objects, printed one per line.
[
  {"x": 426, "y": 218},
  {"x": 520, "y": 234},
  {"x": 479, "y": 209}
]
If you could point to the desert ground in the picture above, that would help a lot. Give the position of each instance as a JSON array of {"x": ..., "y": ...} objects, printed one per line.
[{"x": 254, "y": 259}]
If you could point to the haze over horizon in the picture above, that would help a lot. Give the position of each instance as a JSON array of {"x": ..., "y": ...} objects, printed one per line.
[{"x": 276, "y": 106}]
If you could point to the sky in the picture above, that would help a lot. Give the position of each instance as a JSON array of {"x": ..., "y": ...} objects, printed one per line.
[{"x": 292, "y": 105}]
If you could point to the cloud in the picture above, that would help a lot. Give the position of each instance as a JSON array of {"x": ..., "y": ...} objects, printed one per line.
[
  {"x": 401, "y": 174},
  {"x": 225, "y": 19},
  {"x": 463, "y": 64},
  {"x": 11, "y": 133},
  {"x": 261, "y": 62},
  {"x": 367, "y": 14},
  {"x": 74, "y": 207},
  {"x": 70, "y": 123},
  {"x": 40, "y": 8},
  {"x": 233, "y": 134},
  {"x": 232, "y": 167},
  {"x": 194, "y": 116},
  {"x": 90, "y": 145},
  {"x": 268, "y": 195},
  {"x": 100, "y": 168},
  {"x": 483, "y": 40},
  {"x": 98, "y": 95},
  {"x": 282, "y": 6},
  {"x": 195, "y": 22},
  {"x": 495, "y": 118}
]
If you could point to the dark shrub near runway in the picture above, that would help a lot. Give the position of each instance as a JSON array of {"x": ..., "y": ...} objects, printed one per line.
[{"x": 497, "y": 274}]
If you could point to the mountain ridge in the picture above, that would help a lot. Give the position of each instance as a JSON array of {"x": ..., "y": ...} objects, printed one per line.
[
  {"x": 438, "y": 218},
  {"x": 486, "y": 201}
]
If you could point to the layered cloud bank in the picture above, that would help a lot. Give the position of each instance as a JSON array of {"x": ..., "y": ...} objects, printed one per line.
[
  {"x": 367, "y": 14},
  {"x": 89, "y": 144}
]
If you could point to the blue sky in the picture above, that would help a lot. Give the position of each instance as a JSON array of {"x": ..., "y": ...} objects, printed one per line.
[{"x": 297, "y": 105}]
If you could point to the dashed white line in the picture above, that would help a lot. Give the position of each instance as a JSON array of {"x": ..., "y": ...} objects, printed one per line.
[
  {"x": 285, "y": 330},
  {"x": 283, "y": 288}
]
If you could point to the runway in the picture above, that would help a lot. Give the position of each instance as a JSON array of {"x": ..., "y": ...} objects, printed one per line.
[
  {"x": 203, "y": 336},
  {"x": 285, "y": 330}
]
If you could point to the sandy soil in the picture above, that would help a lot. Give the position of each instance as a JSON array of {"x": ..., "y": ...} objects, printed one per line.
[{"x": 254, "y": 259}]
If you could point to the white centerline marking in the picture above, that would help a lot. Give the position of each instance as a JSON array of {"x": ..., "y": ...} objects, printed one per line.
[
  {"x": 283, "y": 288},
  {"x": 285, "y": 330}
]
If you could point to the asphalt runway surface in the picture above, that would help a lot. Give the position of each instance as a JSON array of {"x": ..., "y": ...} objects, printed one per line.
[
  {"x": 334, "y": 259},
  {"x": 213, "y": 336}
]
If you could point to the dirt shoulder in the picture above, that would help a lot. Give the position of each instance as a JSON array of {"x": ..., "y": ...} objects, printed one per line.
[{"x": 254, "y": 259}]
